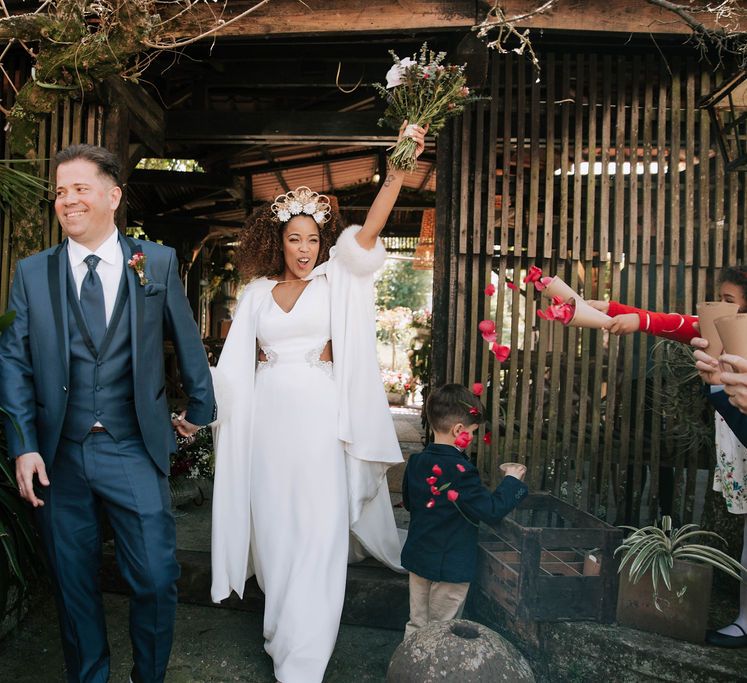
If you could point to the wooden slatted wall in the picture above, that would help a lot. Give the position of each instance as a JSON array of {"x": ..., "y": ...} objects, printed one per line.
[{"x": 581, "y": 410}]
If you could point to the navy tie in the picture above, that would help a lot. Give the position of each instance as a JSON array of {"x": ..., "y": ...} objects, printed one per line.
[{"x": 92, "y": 301}]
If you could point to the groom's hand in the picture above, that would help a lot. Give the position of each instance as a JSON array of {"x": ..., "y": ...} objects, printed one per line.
[
  {"x": 28, "y": 465},
  {"x": 183, "y": 427}
]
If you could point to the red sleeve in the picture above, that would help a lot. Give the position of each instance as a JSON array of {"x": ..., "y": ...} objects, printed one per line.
[{"x": 668, "y": 325}]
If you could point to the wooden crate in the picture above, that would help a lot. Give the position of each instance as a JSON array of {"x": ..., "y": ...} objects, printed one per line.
[{"x": 550, "y": 561}]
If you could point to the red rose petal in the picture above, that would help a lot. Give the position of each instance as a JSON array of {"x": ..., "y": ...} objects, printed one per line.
[
  {"x": 511, "y": 285},
  {"x": 437, "y": 470},
  {"x": 477, "y": 388},
  {"x": 500, "y": 352},
  {"x": 461, "y": 467},
  {"x": 452, "y": 495},
  {"x": 486, "y": 327},
  {"x": 488, "y": 438},
  {"x": 430, "y": 503},
  {"x": 431, "y": 480},
  {"x": 463, "y": 439},
  {"x": 490, "y": 290}
]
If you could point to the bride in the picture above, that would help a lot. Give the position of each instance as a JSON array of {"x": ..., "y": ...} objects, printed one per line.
[{"x": 304, "y": 435}]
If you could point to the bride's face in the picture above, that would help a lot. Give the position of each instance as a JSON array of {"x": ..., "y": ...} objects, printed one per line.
[{"x": 300, "y": 246}]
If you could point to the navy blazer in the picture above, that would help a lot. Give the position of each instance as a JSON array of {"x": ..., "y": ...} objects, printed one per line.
[
  {"x": 735, "y": 418},
  {"x": 35, "y": 351},
  {"x": 441, "y": 543}
]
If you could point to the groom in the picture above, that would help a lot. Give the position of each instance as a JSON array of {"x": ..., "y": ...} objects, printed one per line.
[{"x": 82, "y": 378}]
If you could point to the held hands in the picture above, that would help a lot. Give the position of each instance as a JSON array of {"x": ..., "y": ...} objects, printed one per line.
[
  {"x": 28, "y": 465},
  {"x": 417, "y": 133},
  {"x": 183, "y": 427}
]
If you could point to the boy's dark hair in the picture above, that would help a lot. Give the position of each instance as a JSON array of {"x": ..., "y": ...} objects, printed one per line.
[
  {"x": 451, "y": 404},
  {"x": 105, "y": 161},
  {"x": 736, "y": 275}
]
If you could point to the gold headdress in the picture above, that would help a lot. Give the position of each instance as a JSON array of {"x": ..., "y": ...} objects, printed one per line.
[{"x": 302, "y": 201}]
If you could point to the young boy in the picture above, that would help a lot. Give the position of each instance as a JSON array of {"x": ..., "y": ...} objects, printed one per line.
[{"x": 446, "y": 499}]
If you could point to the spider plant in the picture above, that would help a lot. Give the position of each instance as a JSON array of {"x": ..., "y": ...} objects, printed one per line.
[
  {"x": 19, "y": 188},
  {"x": 653, "y": 550}
]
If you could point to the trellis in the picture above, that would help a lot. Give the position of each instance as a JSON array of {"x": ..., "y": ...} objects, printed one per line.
[{"x": 533, "y": 177}]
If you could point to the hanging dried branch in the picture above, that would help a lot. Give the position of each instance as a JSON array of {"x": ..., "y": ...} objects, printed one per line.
[
  {"x": 496, "y": 20},
  {"x": 78, "y": 45},
  {"x": 727, "y": 41},
  {"x": 81, "y": 44}
]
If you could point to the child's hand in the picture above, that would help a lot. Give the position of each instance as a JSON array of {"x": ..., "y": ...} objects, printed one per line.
[
  {"x": 625, "y": 323},
  {"x": 514, "y": 469},
  {"x": 602, "y": 306}
]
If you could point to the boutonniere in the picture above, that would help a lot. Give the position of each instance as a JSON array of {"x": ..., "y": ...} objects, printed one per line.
[{"x": 137, "y": 263}]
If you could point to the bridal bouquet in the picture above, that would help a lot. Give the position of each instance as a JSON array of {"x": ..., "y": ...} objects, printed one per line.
[{"x": 424, "y": 91}]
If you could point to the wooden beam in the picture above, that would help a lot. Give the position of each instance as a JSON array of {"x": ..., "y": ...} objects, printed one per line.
[
  {"x": 146, "y": 115},
  {"x": 614, "y": 16},
  {"x": 278, "y": 173},
  {"x": 188, "y": 225},
  {"x": 207, "y": 209},
  {"x": 317, "y": 126},
  {"x": 287, "y": 17},
  {"x": 310, "y": 160},
  {"x": 218, "y": 181}
]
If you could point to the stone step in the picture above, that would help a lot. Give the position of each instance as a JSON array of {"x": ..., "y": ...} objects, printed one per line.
[{"x": 375, "y": 596}]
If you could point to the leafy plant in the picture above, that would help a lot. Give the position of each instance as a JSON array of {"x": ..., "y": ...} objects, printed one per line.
[
  {"x": 653, "y": 550},
  {"x": 689, "y": 421},
  {"x": 18, "y": 187},
  {"x": 19, "y": 542}
]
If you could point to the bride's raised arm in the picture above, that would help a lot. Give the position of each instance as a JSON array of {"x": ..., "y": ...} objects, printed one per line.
[{"x": 387, "y": 196}]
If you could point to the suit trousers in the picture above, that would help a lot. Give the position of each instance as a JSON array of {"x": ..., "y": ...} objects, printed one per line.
[
  {"x": 434, "y": 601},
  {"x": 120, "y": 478}
]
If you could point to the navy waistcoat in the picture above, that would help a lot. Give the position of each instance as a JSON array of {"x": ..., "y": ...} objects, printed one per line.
[{"x": 101, "y": 388}]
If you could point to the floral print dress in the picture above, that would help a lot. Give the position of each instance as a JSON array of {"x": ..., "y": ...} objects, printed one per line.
[{"x": 730, "y": 476}]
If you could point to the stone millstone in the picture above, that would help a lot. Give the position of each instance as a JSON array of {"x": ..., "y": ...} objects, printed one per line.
[{"x": 457, "y": 650}]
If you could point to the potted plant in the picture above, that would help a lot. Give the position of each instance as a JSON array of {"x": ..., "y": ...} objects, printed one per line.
[
  {"x": 397, "y": 386},
  {"x": 192, "y": 469},
  {"x": 674, "y": 597}
]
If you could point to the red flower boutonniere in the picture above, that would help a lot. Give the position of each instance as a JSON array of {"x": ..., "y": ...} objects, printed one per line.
[{"x": 137, "y": 263}]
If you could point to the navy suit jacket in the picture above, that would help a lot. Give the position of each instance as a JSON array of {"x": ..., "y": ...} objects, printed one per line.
[
  {"x": 734, "y": 417},
  {"x": 35, "y": 351},
  {"x": 441, "y": 543}
]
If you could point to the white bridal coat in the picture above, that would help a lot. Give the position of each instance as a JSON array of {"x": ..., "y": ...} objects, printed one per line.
[{"x": 364, "y": 424}]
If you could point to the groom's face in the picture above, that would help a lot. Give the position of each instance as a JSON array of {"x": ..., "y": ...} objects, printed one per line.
[{"x": 85, "y": 202}]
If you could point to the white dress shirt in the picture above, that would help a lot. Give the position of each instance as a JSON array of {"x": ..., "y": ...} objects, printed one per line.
[{"x": 109, "y": 267}]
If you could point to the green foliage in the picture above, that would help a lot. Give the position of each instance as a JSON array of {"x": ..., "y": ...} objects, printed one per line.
[
  {"x": 688, "y": 415},
  {"x": 183, "y": 165},
  {"x": 652, "y": 551},
  {"x": 399, "y": 284}
]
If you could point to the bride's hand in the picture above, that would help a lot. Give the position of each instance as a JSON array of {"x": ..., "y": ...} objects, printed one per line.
[{"x": 415, "y": 132}]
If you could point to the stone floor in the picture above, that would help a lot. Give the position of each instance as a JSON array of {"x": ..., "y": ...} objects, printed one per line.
[{"x": 215, "y": 645}]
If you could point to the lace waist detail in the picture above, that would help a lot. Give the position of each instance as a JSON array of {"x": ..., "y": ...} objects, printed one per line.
[
  {"x": 311, "y": 358},
  {"x": 314, "y": 360}
]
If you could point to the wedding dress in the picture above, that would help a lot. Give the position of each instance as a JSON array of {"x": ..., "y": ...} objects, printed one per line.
[{"x": 302, "y": 447}]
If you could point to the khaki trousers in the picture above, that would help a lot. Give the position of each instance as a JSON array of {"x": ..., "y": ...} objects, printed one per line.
[{"x": 432, "y": 601}]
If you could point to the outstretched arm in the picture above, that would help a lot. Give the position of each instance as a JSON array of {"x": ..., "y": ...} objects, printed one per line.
[{"x": 387, "y": 196}]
